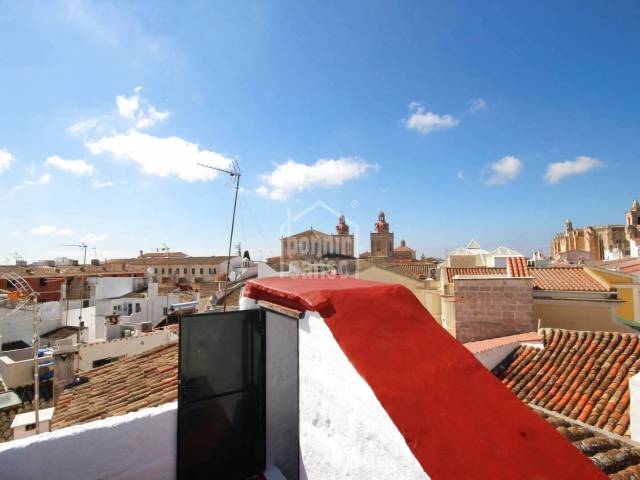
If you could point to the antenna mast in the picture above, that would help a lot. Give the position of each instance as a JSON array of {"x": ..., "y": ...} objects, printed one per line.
[{"x": 232, "y": 173}]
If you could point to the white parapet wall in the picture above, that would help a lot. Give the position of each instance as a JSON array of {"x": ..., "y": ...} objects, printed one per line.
[
  {"x": 634, "y": 407},
  {"x": 138, "y": 446},
  {"x": 120, "y": 347},
  {"x": 344, "y": 430}
]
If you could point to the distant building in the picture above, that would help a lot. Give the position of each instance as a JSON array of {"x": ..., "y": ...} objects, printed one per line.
[
  {"x": 602, "y": 242},
  {"x": 381, "y": 239},
  {"x": 475, "y": 256},
  {"x": 313, "y": 245},
  {"x": 633, "y": 229}
]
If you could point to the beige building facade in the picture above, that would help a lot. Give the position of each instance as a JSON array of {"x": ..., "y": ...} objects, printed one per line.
[{"x": 601, "y": 242}]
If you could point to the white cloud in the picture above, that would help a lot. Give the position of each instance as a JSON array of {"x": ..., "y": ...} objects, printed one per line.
[
  {"x": 90, "y": 238},
  {"x": 504, "y": 170},
  {"x": 51, "y": 230},
  {"x": 103, "y": 184},
  {"x": 426, "y": 122},
  {"x": 83, "y": 126},
  {"x": 292, "y": 176},
  {"x": 151, "y": 117},
  {"x": 5, "y": 160},
  {"x": 128, "y": 106},
  {"x": 460, "y": 175},
  {"x": 40, "y": 181},
  {"x": 559, "y": 170},
  {"x": 76, "y": 167},
  {"x": 161, "y": 156},
  {"x": 477, "y": 104},
  {"x": 133, "y": 108}
]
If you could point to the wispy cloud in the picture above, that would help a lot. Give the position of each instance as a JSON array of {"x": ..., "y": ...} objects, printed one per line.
[
  {"x": 76, "y": 167},
  {"x": 425, "y": 122},
  {"x": 171, "y": 156},
  {"x": 560, "y": 170},
  {"x": 504, "y": 170},
  {"x": 291, "y": 177},
  {"x": 103, "y": 184},
  {"x": 83, "y": 126},
  {"x": 51, "y": 230},
  {"x": 5, "y": 160},
  {"x": 40, "y": 181},
  {"x": 90, "y": 238},
  {"x": 132, "y": 111},
  {"x": 477, "y": 104}
]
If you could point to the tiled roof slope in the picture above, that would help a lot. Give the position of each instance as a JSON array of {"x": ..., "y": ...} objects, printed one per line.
[
  {"x": 453, "y": 271},
  {"x": 518, "y": 267},
  {"x": 565, "y": 278},
  {"x": 140, "y": 381},
  {"x": 618, "y": 459},
  {"x": 574, "y": 279},
  {"x": 418, "y": 271},
  {"x": 582, "y": 375}
]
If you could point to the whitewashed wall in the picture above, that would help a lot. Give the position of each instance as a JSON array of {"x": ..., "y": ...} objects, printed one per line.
[
  {"x": 344, "y": 431},
  {"x": 90, "y": 352},
  {"x": 137, "y": 446}
]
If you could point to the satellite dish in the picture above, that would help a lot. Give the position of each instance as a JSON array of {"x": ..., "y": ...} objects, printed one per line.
[{"x": 150, "y": 270}]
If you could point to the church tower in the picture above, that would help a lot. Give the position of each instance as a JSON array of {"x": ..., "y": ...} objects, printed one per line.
[
  {"x": 381, "y": 239},
  {"x": 632, "y": 229}
]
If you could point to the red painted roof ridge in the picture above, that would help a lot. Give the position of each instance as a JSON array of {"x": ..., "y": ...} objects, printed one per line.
[{"x": 448, "y": 407}]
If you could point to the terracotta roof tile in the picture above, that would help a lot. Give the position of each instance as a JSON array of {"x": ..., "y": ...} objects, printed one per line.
[
  {"x": 565, "y": 278},
  {"x": 140, "y": 381},
  {"x": 614, "y": 456},
  {"x": 574, "y": 279},
  {"x": 582, "y": 375},
  {"x": 517, "y": 267},
  {"x": 417, "y": 270},
  {"x": 491, "y": 343},
  {"x": 453, "y": 271}
]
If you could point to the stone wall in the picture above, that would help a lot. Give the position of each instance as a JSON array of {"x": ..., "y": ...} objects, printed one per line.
[{"x": 492, "y": 307}]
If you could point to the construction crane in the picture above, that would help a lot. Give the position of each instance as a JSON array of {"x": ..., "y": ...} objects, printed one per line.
[
  {"x": 234, "y": 174},
  {"x": 20, "y": 294},
  {"x": 81, "y": 245}
]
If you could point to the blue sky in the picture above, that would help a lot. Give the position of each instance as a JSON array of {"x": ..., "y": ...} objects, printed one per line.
[{"x": 486, "y": 120}]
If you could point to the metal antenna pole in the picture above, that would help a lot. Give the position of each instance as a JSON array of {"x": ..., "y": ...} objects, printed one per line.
[
  {"x": 233, "y": 173},
  {"x": 36, "y": 364}
]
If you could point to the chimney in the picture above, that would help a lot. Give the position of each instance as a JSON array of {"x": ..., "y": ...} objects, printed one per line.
[
  {"x": 63, "y": 369},
  {"x": 141, "y": 253},
  {"x": 634, "y": 407}
]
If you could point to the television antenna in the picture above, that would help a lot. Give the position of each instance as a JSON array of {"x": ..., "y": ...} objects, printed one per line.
[
  {"x": 20, "y": 294},
  {"x": 234, "y": 174}
]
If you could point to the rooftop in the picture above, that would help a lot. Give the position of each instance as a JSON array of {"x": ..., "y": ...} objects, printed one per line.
[
  {"x": 582, "y": 375},
  {"x": 139, "y": 381},
  {"x": 574, "y": 279}
]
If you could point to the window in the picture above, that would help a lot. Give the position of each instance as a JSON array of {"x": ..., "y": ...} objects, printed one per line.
[
  {"x": 138, "y": 308},
  {"x": 155, "y": 270},
  {"x": 193, "y": 271},
  {"x": 214, "y": 271},
  {"x": 43, "y": 282},
  {"x": 163, "y": 270},
  {"x": 169, "y": 270},
  {"x": 210, "y": 271},
  {"x": 31, "y": 426},
  {"x": 185, "y": 271},
  {"x": 201, "y": 271}
]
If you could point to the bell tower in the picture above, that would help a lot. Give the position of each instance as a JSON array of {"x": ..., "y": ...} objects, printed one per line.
[{"x": 381, "y": 239}]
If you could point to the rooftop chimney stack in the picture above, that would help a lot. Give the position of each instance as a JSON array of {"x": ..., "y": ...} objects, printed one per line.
[{"x": 63, "y": 368}]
